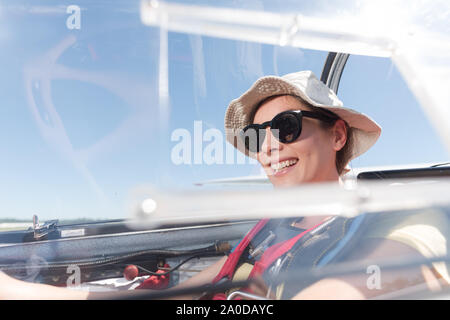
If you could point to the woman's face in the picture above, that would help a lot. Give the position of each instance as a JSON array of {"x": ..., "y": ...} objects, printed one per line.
[{"x": 311, "y": 158}]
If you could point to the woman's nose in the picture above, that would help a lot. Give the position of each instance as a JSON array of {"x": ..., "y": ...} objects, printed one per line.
[{"x": 270, "y": 142}]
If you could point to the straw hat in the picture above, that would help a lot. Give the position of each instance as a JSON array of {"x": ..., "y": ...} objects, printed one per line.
[{"x": 305, "y": 85}]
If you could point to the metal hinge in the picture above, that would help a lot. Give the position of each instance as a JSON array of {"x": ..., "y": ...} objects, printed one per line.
[{"x": 39, "y": 231}]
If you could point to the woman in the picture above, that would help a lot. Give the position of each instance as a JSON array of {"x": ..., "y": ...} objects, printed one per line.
[{"x": 299, "y": 131}]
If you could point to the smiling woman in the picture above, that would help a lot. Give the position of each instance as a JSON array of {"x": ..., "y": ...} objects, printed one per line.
[
  {"x": 295, "y": 149},
  {"x": 303, "y": 127},
  {"x": 271, "y": 96},
  {"x": 303, "y": 151},
  {"x": 111, "y": 111}
]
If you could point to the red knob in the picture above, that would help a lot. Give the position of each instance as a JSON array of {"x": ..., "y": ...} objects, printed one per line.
[{"x": 130, "y": 272}]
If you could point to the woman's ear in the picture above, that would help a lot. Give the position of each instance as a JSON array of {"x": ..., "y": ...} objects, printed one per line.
[{"x": 339, "y": 135}]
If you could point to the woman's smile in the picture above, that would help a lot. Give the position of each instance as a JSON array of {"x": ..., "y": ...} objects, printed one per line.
[{"x": 283, "y": 167}]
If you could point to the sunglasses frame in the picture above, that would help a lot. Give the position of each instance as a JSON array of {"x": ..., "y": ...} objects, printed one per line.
[{"x": 299, "y": 114}]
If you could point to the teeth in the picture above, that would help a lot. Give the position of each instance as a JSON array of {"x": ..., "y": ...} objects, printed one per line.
[{"x": 281, "y": 165}]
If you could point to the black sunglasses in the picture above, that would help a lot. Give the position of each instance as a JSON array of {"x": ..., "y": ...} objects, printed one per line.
[{"x": 285, "y": 126}]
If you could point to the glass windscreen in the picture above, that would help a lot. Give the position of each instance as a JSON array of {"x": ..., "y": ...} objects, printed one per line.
[
  {"x": 106, "y": 108},
  {"x": 96, "y": 104},
  {"x": 88, "y": 112}
]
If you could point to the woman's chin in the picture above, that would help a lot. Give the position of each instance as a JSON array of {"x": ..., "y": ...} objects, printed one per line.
[{"x": 286, "y": 181}]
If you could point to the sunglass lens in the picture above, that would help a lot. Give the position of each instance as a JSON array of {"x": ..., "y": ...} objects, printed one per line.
[{"x": 287, "y": 127}]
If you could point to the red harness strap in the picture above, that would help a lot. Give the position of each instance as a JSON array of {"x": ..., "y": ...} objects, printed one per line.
[
  {"x": 230, "y": 264},
  {"x": 269, "y": 256},
  {"x": 274, "y": 252}
]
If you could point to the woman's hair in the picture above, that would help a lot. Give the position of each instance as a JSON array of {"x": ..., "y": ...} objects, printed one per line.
[{"x": 344, "y": 155}]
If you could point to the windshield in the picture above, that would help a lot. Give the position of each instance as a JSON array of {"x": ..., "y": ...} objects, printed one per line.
[
  {"x": 116, "y": 111},
  {"x": 98, "y": 103}
]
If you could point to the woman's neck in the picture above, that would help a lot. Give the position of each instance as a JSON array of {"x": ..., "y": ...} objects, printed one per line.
[{"x": 309, "y": 222}]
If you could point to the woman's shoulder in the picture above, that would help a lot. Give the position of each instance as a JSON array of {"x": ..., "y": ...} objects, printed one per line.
[
  {"x": 429, "y": 224},
  {"x": 426, "y": 231}
]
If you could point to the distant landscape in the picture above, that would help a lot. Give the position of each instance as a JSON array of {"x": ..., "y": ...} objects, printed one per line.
[{"x": 11, "y": 224}]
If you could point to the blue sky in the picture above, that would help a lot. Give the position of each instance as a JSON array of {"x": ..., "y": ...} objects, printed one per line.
[{"x": 97, "y": 133}]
